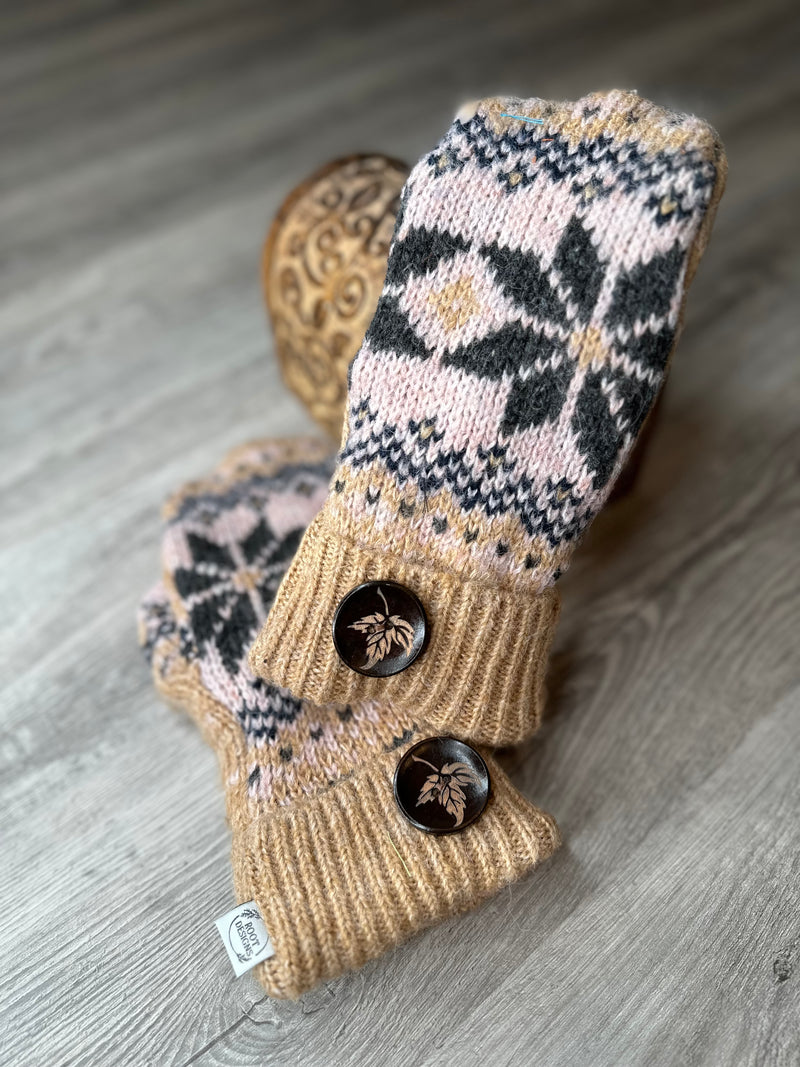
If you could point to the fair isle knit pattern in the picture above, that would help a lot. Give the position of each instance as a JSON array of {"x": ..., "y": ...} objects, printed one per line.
[
  {"x": 318, "y": 842},
  {"x": 531, "y": 303},
  {"x": 227, "y": 543},
  {"x": 533, "y": 296},
  {"x": 291, "y": 748}
]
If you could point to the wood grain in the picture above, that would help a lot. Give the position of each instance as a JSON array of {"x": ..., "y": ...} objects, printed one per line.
[{"x": 144, "y": 150}]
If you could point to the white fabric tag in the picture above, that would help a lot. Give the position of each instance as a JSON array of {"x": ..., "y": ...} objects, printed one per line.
[{"x": 245, "y": 937}]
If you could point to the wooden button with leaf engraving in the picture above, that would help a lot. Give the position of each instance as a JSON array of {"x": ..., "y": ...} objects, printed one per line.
[
  {"x": 441, "y": 785},
  {"x": 379, "y": 628}
]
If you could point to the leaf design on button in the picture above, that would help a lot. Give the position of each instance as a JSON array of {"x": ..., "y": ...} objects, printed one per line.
[
  {"x": 383, "y": 631},
  {"x": 446, "y": 787}
]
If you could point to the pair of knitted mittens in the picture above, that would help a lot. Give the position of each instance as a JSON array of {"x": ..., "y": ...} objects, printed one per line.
[
  {"x": 534, "y": 292},
  {"x": 338, "y": 873},
  {"x": 533, "y": 295}
]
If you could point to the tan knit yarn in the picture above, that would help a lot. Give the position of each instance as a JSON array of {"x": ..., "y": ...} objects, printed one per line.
[
  {"x": 340, "y": 877},
  {"x": 487, "y": 644}
]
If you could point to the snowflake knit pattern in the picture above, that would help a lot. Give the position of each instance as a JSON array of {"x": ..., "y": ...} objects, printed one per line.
[
  {"x": 534, "y": 293},
  {"x": 338, "y": 874}
]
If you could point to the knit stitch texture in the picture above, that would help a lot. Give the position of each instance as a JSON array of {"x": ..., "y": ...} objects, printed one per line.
[
  {"x": 338, "y": 873},
  {"x": 534, "y": 292}
]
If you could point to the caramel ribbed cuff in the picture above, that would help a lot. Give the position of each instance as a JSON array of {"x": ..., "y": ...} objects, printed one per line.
[
  {"x": 343, "y": 877},
  {"x": 480, "y": 676}
]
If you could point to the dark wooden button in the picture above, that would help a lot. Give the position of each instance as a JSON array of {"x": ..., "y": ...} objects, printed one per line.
[
  {"x": 441, "y": 785},
  {"x": 379, "y": 628}
]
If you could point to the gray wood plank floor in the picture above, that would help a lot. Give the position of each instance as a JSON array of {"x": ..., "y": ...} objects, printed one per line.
[{"x": 143, "y": 150}]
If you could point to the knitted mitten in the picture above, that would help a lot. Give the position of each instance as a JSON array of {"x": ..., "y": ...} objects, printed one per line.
[
  {"x": 534, "y": 292},
  {"x": 314, "y": 794}
]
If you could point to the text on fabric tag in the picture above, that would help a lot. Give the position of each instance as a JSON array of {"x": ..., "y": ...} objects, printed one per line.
[{"x": 245, "y": 937}]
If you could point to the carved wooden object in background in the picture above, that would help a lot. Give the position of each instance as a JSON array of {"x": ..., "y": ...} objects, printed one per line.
[{"x": 323, "y": 268}]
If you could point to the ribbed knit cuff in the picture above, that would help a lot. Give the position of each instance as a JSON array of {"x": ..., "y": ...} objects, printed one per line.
[
  {"x": 481, "y": 674},
  {"x": 341, "y": 878}
]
